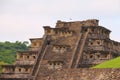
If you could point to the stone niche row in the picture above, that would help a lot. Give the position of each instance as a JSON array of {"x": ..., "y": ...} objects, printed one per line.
[
  {"x": 96, "y": 55},
  {"x": 58, "y": 32},
  {"x": 26, "y": 56},
  {"x": 60, "y": 48},
  {"x": 55, "y": 64},
  {"x": 17, "y": 69},
  {"x": 97, "y": 32},
  {"x": 103, "y": 43},
  {"x": 95, "y": 42}
]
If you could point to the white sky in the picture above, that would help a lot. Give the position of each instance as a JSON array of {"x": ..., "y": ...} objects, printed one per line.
[{"x": 23, "y": 19}]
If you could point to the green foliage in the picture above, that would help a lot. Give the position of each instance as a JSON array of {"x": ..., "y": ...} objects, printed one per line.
[
  {"x": 114, "y": 63},
  {"x": 8, "y": 50}
]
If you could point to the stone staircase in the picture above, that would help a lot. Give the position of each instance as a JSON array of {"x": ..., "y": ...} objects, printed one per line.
[
  {"x": 78, "y": 50},
  {"x": 81, "y": 49},
  {"x": 75, "y": 52},
  {"x": 39, "y": 59}
]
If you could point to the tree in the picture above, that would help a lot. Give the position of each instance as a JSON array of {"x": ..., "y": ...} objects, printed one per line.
[{"x": 8, "y": 50}]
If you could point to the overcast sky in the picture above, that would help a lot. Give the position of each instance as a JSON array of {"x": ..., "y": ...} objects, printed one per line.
[{"x": 23, "y": 19}]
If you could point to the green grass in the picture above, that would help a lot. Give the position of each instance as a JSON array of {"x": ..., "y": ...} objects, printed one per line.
[{"x": 114, "y": 63}]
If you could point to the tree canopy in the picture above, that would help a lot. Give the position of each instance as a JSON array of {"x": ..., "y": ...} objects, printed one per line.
[{"x": 8, "y": 50}]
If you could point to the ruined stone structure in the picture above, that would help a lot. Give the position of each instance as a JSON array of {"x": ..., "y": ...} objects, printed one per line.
[{"x": 69, "y": 47}]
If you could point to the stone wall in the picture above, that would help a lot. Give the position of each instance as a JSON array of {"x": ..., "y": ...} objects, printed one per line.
[{"x": 84, "y": 74}]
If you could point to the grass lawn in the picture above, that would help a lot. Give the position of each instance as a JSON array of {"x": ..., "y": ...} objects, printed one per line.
[{"x": 113, "y": 63}]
